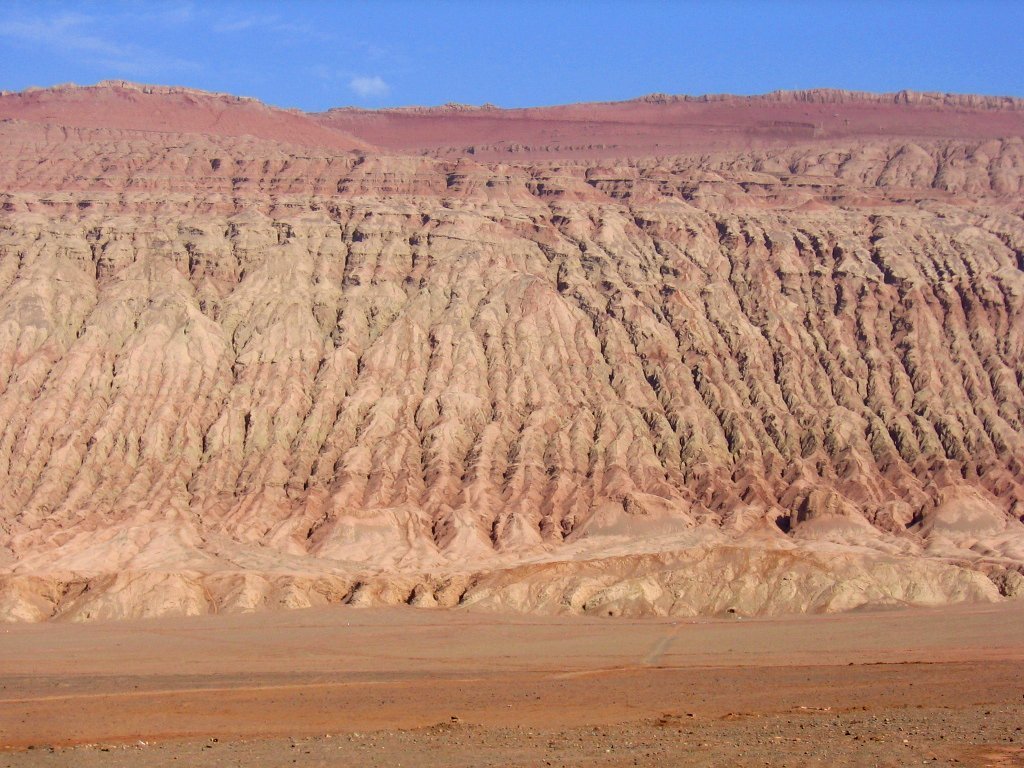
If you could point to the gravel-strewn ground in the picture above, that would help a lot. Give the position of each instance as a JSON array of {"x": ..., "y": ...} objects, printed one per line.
[
  {"x": 417, "y": 689},
  {"x": 943, "y": 737}
]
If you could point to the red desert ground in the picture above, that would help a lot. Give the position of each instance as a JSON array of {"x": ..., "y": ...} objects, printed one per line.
[{"x": 695, "y": 426}]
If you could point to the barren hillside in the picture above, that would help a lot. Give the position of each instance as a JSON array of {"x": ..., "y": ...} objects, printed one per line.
[{"x": 249, "y": 360}]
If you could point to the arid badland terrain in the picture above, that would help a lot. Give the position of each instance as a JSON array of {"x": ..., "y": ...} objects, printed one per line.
[
  {"x": 664, "y": 360},
  {"x": 674, "y": 356}
]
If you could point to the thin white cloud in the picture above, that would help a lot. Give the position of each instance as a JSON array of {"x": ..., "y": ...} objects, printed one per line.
[
  {"x": 72, "y": 33},
  {"x": 65, "y": 30},
  {"x": 244, "y": 23},
  {"x": 224, "y": 23},
  {"x": 171, "y": 13},
  {"x": 369, "y": 87}
]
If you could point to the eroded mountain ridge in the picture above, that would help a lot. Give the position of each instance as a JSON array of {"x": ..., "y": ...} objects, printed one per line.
[{"x": 239, "y": 372}]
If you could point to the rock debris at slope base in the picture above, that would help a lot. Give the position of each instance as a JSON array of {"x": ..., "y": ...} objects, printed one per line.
[{"x": 239, "y": 374}]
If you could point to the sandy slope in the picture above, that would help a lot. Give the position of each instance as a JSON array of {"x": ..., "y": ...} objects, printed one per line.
[{"x": 121, "y": 106}]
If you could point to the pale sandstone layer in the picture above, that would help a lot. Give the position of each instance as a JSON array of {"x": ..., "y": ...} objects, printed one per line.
[{"x": 239, "y": 371}]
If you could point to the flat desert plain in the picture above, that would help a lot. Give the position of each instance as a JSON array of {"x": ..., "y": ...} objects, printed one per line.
[{"x": 389, "y": 687}]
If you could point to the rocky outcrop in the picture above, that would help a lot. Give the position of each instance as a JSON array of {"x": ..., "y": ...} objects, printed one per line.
[
  {"x": 841, "y": 96},
  {"x": 240, "y": 373}
]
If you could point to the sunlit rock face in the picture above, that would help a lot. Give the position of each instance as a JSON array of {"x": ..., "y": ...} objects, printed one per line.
[{"x": 267, "y": 359}]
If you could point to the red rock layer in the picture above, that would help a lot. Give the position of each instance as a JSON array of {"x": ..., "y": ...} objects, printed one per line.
[
  {"x": 153, "y": 108},
  {"x": 664, "y": 125}
]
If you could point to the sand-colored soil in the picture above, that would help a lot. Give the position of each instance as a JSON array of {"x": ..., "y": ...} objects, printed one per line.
[{"x": 387, "y": 687}]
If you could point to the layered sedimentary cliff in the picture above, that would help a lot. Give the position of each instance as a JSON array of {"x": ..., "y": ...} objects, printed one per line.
[{"x": 239, "y": 372}]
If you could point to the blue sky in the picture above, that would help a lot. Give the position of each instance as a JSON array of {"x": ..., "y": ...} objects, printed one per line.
[{"x": 315, "y": 55}]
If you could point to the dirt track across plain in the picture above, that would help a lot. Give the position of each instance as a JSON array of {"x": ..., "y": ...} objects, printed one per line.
[{"x": 461, "y": 688}]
